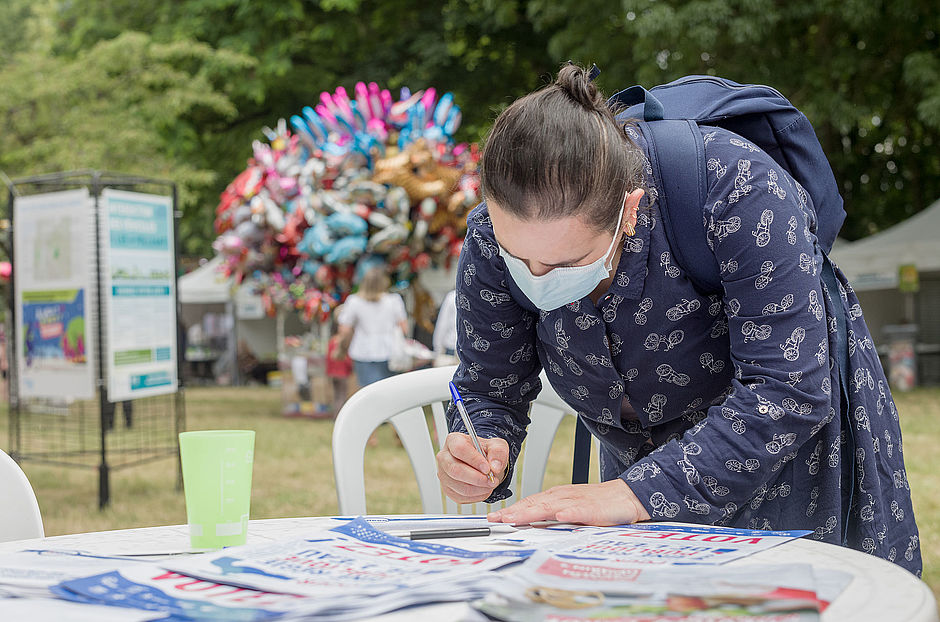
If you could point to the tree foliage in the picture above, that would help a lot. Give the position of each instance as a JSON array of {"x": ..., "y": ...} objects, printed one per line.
[
  {"x": 180, "y": 88},
  {"x": 866, "y": 73},
  {"x": 126, "y": 104}
]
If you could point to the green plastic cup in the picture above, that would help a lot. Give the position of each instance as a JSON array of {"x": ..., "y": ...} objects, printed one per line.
[{"x": 217, "y": 483}]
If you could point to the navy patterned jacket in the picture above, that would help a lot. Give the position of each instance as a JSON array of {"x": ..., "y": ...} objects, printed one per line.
[{"x": 723, "y": 409}]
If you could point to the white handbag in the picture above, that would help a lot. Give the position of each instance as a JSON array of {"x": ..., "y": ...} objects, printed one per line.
[{"x": 399, "y": 358}]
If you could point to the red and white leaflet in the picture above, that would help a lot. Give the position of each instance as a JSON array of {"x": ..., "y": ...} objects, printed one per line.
[
  {"x": 652, "y": 543},
  {"x": 354, "y": 558},
  {"x": 555, "y": 587}
]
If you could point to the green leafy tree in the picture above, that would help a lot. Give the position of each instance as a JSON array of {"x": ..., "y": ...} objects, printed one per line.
[
  {"x": 866, "y": 73},
  {"x": 128, "y": 105},
  {"x": 485, "y": 52}
]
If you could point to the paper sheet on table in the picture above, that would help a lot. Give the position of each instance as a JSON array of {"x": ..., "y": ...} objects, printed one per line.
[
  {"x": 166, "y": 540},
  {"x": 26, "y": 576},
  {"x": 351, "y": 558},
  {"x": 53, "y": 610},
  {"x": 30, "y": 572},
  {"x": 651, "y": 543},
  {"x": 183, "y": 597},
  {"x": 608, "y": 590},
  {"x": 153, "y": 588}
]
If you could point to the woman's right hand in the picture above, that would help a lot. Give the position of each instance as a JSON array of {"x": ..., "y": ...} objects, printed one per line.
[{"x": 463, "y": 470}]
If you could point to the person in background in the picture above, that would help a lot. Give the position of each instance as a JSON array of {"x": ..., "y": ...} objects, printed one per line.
[
  {"x": 299, "y": 370},
  {"x": 338, "y": 369},
  {"x": 422, "y": 313},
  {"x": 247, "y": 362},
  {"x": 445, "y": 328},
  {"x": 368, "y": 323}
]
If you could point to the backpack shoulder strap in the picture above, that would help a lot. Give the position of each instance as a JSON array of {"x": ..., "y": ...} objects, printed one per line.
[{"x": 677, "y": 156}]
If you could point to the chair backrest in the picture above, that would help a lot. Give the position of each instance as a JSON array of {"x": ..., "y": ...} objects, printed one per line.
[
  {"x": 405, "y": 401},
  {"x": 19, "y": 511}
]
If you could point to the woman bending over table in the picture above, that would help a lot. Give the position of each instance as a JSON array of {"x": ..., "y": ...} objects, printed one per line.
[{"x": 721, "y": 409}]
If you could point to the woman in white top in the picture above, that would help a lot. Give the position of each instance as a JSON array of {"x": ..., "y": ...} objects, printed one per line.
[{"x": 368, "y": 323}]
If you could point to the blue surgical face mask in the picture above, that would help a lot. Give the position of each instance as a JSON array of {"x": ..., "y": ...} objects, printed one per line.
[{"x": 562, "y": 285}]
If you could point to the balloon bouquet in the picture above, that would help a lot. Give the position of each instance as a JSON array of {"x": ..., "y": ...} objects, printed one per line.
[{"x": 356, "y": 180}]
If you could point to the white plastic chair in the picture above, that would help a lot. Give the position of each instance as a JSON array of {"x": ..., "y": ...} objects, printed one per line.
[
  {"x": 404, "y": 401},
  {"x": 19, "y": 511}
]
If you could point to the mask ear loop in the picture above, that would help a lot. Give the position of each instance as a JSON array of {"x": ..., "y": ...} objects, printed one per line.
[{"x": 608, "y": 263}]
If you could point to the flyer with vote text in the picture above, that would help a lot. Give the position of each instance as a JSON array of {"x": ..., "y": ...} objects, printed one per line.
[
  {"x": 653, "y": 543},
  {"x": 354, "y": 557}
]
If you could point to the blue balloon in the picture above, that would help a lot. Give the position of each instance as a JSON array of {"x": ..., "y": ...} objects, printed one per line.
[
  {"x": 315, "y": 123},
  {"x": 346, "y": 250},
  {"x": 346, "y": 224},
  {"x": 317, "y": 240},
  {"x": 310, "y": 267}
]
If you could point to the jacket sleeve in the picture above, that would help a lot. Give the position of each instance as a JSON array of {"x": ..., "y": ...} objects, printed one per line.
[
  {"x": 498, "y": 371},
  {"x": 760, "y": 224}
]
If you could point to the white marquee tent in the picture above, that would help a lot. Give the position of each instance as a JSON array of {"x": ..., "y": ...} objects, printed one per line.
[
  {"x": 205, "y": 284},
  {"x": 871, "y": 265},
  {"x": 206, "y": 290},
  {"x": 872, "y": 262}
]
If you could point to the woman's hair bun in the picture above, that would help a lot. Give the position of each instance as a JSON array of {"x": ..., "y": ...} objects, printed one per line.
[{"x": 576, "y": 82}]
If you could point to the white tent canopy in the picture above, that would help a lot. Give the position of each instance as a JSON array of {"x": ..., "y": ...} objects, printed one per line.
[
  {"x": 872, "y": 263},
  {"x": 206, "y": 284}
]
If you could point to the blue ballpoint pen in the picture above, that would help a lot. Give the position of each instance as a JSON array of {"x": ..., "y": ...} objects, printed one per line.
[{"x": 458, "y": 402}]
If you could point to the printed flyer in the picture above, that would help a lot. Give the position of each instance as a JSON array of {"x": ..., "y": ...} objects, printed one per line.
[
  {"x": 53, "y": 264},
  {"x": 351, "y": 558},
  {"x": 555, "y": 587},
  {"x": 653, "y": 543},
  {"x": 154, "y": 589}
]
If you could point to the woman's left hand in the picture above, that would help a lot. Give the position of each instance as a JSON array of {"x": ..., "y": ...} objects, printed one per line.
[{"x": 607, "y": 503}]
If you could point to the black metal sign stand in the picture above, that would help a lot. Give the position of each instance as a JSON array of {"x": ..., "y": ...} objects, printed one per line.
[{"x": 76, "y": 433}]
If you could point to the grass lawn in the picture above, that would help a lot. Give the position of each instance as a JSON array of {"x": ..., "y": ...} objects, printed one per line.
[{"x": 293, "y": 473}]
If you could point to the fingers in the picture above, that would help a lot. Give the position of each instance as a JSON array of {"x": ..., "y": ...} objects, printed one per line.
[
  {"x": 602, "y": 504},
  {"x": 497, "y": 452},
  {"x": 462, "y": 492},
  {"x": 461, "y": 447},
  {"x": 459, "y": 472},
  {"x": 537, "y": 507},
  {"x": 463, "y": 470},
  {"x": 465, "y": 494}
]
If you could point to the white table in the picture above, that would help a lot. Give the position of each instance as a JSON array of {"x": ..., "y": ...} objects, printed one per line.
[{"x": 879, "y": 592}]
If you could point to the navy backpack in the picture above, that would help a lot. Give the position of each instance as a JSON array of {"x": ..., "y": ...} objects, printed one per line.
[{"x": 670, "y": 116}]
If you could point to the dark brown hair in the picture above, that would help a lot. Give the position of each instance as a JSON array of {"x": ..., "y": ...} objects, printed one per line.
[{"x": 559, "y": 152}]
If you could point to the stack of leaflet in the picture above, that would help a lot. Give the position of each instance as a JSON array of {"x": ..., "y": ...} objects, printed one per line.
[
  {"x": 638, "y": 572},
  {"x": 30, "y": 573},
  {"x": 553, "y": 586},
  {"x": 654, "y": 572},
  {"x": 26, "y": 579},
  {"x": 344, "y": 573}
]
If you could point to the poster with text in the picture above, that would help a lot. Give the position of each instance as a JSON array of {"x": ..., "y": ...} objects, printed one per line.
[
  {"x": 140, "y": 294},
  {"x": 53, "y": 238}
]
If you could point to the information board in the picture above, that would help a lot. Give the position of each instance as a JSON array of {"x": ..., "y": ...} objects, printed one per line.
[
  {"x": 139, "y": 288},
  {"x": 52, "y": 264}
]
